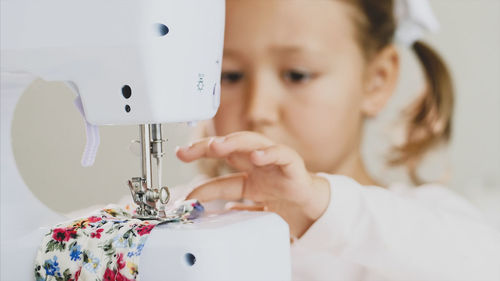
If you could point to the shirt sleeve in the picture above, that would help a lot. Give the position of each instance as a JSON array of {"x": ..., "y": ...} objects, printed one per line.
[{"x": 431, "y": 234}]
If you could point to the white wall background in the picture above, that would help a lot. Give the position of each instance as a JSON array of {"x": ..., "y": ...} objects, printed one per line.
[{"x": 49, "y": 136}]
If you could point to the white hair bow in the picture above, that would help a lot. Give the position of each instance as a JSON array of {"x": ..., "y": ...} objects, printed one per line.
[{"x": 414, "y": 18}]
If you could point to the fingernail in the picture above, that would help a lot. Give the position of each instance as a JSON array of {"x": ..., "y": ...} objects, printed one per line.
[
  {"x": 229, "y": 205},
  {"x": 259, "y": 153},
  {"x": 182, "y": 148},
  {"x": 217, "y": 139}
]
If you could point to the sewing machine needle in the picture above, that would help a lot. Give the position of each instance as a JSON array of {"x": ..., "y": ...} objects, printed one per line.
[{"x": 159, "y": 171}]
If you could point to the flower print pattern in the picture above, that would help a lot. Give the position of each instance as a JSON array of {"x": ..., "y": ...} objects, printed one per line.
[
  {"x": 63, "y": 234},
  {"x": 121, "y": 242},
  {"x": 97, "y": 233},
  {"x": 51, "y": 266},
  {"x": 139, "y": 249},
  {"x": 104, "y": 246},
  {"x": 75, "y": 252},
  {"x": 109, "y": 275},
  {"x": 146, "y": 229},
  {"x": 90, "y": 262},
  {"x": 93, "y": 219},
  {"x": 132, "y": 267},
  {"x": 77, "y": 275}
]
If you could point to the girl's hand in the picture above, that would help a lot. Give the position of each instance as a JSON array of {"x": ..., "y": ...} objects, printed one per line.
[{"x": 273, "y": 176}]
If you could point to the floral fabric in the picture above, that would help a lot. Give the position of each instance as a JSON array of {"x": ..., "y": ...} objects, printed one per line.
[{"x": 103, "y": 247}]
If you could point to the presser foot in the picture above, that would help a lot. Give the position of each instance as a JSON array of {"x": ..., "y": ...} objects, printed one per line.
[{"x": 147, "y": 199}]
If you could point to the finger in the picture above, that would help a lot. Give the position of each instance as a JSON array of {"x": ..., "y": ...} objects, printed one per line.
[
  {"x": 220, "y": 147},
  {"x": 242, "y": 142},
  {"x": 227, "y": 187},
  {"x": 196, "y": 150},
  {"x": 240, "y": 162},
  {"x": 245, "y": 207},
  {"x": 290, "y": 161}
]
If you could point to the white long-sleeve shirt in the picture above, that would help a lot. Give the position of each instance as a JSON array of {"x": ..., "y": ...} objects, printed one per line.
[{"x": 400, "y": 233}]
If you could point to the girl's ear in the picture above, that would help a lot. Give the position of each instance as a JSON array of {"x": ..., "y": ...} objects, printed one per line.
[{"x": 380, "y": 80}]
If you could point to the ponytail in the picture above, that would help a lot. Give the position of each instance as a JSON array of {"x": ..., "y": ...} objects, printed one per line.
[{"x": 429, "y": 117}]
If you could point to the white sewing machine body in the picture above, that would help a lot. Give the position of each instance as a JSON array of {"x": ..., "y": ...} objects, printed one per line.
[
  {"x": 168, "y": 52},
  {"x": 228, "y": 246},
  {"x": 131, "y": 62}
]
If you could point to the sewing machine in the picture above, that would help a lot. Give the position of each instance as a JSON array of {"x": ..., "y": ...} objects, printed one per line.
[{"x": 142, "y": 63}]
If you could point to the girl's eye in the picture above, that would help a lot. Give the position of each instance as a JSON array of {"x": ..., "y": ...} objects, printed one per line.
[
  {"x": 231, "y": 77},
  {"x": 296, "y": 76}
]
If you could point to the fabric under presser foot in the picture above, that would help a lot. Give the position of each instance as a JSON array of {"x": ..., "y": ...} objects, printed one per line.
[{"x": 104, "y": 246}]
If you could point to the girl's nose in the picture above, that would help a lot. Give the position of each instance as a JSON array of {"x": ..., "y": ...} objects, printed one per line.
[{"x": 262, "y": 105}]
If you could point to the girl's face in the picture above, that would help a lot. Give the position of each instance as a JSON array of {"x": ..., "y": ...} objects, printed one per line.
[{"x": 293, "y": 71}]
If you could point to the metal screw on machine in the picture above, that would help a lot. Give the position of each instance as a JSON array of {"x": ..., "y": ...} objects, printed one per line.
[
  {"x": 164, "y": 195},
  {"x": 135, "y": 185}
]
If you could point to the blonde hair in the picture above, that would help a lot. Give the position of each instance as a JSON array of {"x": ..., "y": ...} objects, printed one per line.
[{"x": 429, "y": 117}]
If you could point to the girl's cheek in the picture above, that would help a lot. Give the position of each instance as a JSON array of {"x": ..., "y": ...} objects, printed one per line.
[{"x": 326, "y": 113}]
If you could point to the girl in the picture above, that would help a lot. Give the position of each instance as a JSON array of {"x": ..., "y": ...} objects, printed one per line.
[{"x": 300, "y": 77}]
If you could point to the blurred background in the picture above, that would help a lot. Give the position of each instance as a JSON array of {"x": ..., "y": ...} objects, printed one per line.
[{"x": 49, "y": 133}]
